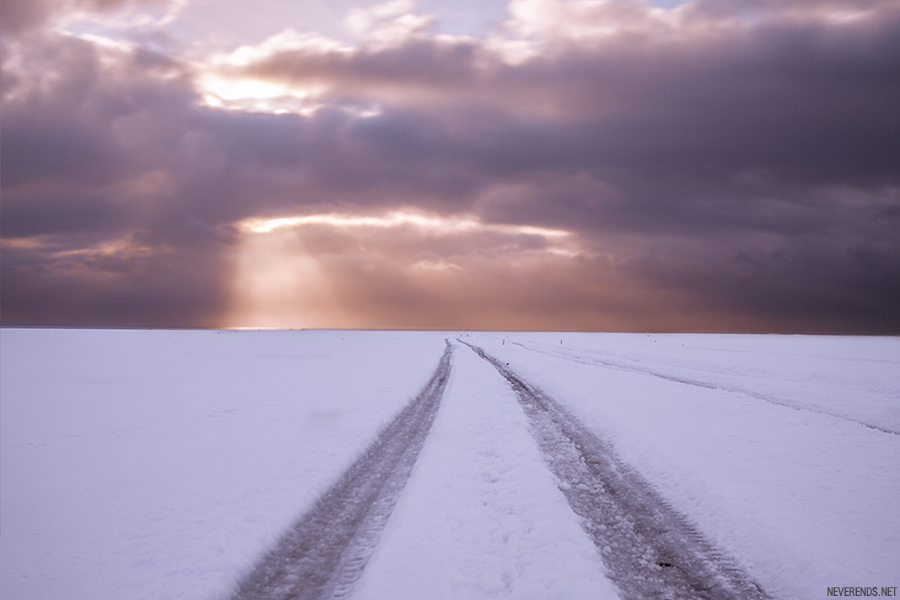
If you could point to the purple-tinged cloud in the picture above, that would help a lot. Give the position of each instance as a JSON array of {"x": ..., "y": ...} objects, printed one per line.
[{"x": 718, "y": 166}]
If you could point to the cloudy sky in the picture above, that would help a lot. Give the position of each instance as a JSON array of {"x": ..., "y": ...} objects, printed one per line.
[{"x": 716, "y": 165}]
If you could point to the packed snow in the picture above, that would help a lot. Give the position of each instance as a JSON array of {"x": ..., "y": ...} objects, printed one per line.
[{"x": 163, "y": 464}]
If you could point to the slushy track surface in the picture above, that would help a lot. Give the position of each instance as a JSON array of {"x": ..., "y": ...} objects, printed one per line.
[
  {"x": 325, "y": 552},
  {"x": 649, "y": 549}
]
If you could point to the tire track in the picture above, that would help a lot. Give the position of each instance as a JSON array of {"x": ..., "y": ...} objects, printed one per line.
[
  {"x": 704, "y": 384},
  {"x": 649, "y": 549},
  {"x": 326, "y": 550}
]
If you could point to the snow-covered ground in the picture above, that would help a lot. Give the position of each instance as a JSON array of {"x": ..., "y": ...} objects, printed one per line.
[{"x": 162, "y": 464}]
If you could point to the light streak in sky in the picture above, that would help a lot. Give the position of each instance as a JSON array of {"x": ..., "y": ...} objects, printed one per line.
[{"x": 436, "y": 224}]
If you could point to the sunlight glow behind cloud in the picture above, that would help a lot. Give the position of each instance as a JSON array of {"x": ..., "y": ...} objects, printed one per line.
[
  {"x": 590, "y": 164},
  {"x": 299, "y": 270},
  {"x": 434, "y": 224}
]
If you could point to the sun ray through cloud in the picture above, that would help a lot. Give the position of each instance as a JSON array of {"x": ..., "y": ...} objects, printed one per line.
[
  {"x": 657, "y": 165},
  {"x": 291, "y": 269}
]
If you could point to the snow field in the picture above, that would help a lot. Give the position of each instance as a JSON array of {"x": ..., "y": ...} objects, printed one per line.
[
  {"x": 159, "y": 465},
  {"x": 481, "y": 516},
  {"x": 849, "y": 377},
  {"x": 801, "y": 498}
]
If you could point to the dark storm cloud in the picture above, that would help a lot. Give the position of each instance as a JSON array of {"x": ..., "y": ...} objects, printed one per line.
[
  {"x": 746, "y": 173},
  {"x": 19, "y": 15},
  {"x": 94, "y": 228},
  {"x": 784, "y": 285},
  {"x": 181, "y": 289},
  {"x": 57, "y": 213}
]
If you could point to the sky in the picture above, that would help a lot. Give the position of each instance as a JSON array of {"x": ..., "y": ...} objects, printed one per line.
[{"x": 595, "y": 165}]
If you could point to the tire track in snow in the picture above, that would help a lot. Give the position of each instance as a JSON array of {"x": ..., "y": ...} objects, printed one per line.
[
  {"x": 704, "y": 384},
  {"x": 326, "y": 550},
  {"x": 650, "y": 550}
]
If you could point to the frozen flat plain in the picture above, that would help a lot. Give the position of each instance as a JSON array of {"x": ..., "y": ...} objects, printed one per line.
[{"x": 170, "y": 464}]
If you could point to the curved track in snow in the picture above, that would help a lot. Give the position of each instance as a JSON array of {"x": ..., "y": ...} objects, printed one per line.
[
  {"x": 620, "y": 366},
  {"x": 325, "y": 552},
  {"x": 649, "y": 549}
]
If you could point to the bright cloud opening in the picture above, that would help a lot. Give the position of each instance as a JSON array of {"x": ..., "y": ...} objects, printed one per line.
[
  {"x": 255, "y": 95},
  {"x": 434, "y": 224},
  {"x": 348, "y": 270}
]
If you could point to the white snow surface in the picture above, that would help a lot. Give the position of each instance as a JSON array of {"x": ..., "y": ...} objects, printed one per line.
[
  {"x": 481, "y": 516},
  {"x": 162, "y": 464}
]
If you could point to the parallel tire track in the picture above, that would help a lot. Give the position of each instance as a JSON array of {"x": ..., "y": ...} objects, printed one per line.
[
  {"x": 712, "y": 386},
  {"x": 649, "y": 549},
  {"x": 325, "y": 552}
]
